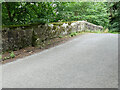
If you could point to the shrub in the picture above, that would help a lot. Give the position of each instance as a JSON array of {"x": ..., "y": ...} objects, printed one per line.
[
  {"x": 12, "y": 55},
  {"x": 60, "y": 36},
  {"x": 73, "y": 34},
  {"x": 0, "y": 56}
]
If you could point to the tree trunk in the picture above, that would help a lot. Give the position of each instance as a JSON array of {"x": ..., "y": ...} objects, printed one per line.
[{"x": 9, "y": 13}]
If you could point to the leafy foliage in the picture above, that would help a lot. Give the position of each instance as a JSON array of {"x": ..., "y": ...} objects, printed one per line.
[
  {"x": 73, "y": 34},
  {"x": 92, "y": 12},
  {"x": 25, "y": 13},
  {"x": 114, "y": 17},
  {"x": 99, "y": 13},
  {"x": 12, "y": 55}
]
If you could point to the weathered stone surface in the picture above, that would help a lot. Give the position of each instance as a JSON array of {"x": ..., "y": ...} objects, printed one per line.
[{"x": 18, "y": 38}]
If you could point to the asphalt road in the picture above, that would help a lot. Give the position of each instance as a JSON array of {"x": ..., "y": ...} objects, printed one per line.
[{"x": 89, "y": 61}]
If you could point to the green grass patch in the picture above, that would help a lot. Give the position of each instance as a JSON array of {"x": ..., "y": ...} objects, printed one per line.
[
  {"x": 60, "y": 36},
  {"x": 12, "y": 55},
  {"x": 114, "y": 32},
  {"x": 73, "y": 34}
]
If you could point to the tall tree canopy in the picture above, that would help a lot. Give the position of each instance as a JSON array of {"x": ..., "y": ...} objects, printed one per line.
[
  {"x": 114, "y": 9},
  {"x": 25, "y": 13},
  {"x": 92, "y": 12},
  {"x": 99, "y": 13}
]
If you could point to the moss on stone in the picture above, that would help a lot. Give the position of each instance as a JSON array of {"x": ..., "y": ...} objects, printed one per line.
[{"x": 34, "y": 39}]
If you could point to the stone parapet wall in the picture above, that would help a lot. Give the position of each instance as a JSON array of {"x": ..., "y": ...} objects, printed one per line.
[
  {"x": 20, "y": 37},
  {"x": 16, "y": 39}
]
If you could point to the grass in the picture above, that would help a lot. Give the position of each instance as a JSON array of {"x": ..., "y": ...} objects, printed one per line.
[
  {"x": 114, "y": 32},
  {"x": 12, "y": 55},
  {"x": 104, "y": 31},
  {"x": 60, "y": 36},
  {"x": 0, "y": 56},
  {"x": 73, "y": 34}
]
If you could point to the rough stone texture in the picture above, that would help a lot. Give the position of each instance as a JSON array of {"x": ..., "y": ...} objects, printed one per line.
[{"x": 17, "y": 38}]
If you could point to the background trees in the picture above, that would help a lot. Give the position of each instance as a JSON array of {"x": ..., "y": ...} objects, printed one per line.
[
  {"x": 104, "y": 14},
  {"x": 92, "y": 12},
  {"x": 114, "y": 9},
  {"x": 24, "y": 13}
]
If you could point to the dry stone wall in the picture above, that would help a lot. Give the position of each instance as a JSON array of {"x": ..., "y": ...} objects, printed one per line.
[{"x": 20, "y": 37}]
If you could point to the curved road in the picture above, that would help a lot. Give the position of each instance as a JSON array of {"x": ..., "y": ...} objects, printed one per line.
[{"x": 88, "y": 61}]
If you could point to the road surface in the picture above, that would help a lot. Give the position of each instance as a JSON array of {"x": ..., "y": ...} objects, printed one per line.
[{"x": 88, "y": 61}]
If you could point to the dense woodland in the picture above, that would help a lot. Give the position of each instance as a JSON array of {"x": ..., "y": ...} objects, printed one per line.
[{"x": 106, "y": 14}]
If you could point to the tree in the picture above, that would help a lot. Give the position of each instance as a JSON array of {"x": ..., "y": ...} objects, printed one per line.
[
  {"x": 91, "y": 11},
  {"x": 44, "y": 12},
  {"x": 25, "y": 13},
  {"x": 114, "y": 16}
]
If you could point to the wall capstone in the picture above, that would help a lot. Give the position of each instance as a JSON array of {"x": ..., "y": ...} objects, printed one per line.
[{"x": 17, "y": 38}]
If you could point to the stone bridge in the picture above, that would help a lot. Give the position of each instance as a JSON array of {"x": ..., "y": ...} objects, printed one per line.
[{"x": 19, "y": 37}]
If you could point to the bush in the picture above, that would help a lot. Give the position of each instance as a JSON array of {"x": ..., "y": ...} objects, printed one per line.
[
  {"x": 73, "y": 34},
  {"x": 60, "y": 36},
  {"x": 12, "y": 55}
]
